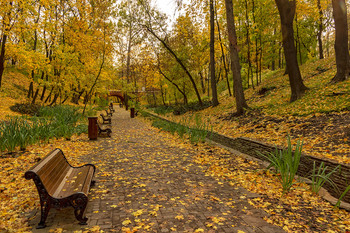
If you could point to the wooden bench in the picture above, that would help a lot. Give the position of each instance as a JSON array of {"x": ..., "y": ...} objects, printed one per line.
[
  {"x": 104, "y": 130},
  {"x": 109, "y": 114},
  {"x": 106, "y": 119},
  {"x": 61, "y": 185},
  {"x": 111, "y": 108}
]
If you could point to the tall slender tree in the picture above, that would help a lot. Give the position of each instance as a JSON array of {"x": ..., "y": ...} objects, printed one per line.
[
  {"x": 212, "y": 55},
  {"x": 241, "y": 103},
  {"x": 320, "y": 29},
  {"x": 286, "y": 10},
  {"x": 341, "y": 40}
]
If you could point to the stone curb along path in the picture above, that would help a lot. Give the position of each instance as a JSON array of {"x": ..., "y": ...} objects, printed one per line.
[{"x": 145, "y": 182}]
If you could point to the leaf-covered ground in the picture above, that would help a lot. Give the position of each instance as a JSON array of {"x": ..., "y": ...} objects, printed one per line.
[
  {"x": 320, "y": 119},
  {"x": 13, "y": 91},
  {"x": 149, "y": 181}
]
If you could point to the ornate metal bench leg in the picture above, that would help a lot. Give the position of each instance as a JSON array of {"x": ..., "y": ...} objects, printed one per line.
[
  {"x": 79, "y": 209},
  {"x": 45, "y": 207}
]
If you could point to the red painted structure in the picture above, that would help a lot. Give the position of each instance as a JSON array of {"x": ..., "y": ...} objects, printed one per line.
[{"x": 118, "y": 94}]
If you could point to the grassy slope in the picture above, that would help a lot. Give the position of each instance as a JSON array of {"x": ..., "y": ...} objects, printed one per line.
[{"x": 320, "y": 118}]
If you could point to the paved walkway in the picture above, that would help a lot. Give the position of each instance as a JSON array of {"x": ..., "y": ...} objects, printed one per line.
[{"x": 147, "y": 183}]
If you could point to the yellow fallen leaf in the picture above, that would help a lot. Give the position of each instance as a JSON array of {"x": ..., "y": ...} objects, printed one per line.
[
  {"x": 179, "y": 217},
  {"x": 126, "y": 222},
  {"x": 199, "y": 230},
  {"x": 137, "y": 213}
]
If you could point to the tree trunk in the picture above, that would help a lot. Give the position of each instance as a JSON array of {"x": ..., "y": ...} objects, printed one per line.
[
  {"x": 175, "y": 85},
  {"x": 212, "y": 56},
  {"x": 30, "y": 90},
  {"x": 223, "y": 58},
  {"x": 65, "y": 99},
  {"x": 320, "y": 29},
  {"x": 49, "y": 96},
  {"x": 162, "y": 94},
  {"x": 341, "y": 40},
  {"x": 35, "y": 95},
  {"x": 202, "y": 81},
  {"x": 2, "y": 56},
  {"x": 128, "y": 58},
  {"x": 43, "y": 93},
  {"x": 250, "y": 73},
  {"x": 286, "y": 10},
  {"x": 54, "y": 99},
  {"x": 235, "y": 66}
]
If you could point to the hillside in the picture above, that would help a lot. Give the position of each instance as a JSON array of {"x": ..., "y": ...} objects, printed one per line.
[
  {"x": 14, "y": 90},
  {"x": 321, "y": 119}
]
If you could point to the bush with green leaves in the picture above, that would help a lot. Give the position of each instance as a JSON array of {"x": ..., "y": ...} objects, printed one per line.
[{"x": 286, "y": 163}]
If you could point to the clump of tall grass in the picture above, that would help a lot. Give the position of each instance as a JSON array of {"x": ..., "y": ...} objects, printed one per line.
[
  {"x": 286, "y": 163},
  {"x": 64, "y": 119},
  {"x": 58, "y": 121},
  {"x": 320, "y": 176}
]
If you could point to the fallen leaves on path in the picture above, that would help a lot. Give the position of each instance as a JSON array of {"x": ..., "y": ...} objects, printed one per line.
[{"x": 142, "y": 198}]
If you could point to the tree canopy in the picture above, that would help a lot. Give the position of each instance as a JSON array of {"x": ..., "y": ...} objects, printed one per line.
[{"x": 66, "y": 46}]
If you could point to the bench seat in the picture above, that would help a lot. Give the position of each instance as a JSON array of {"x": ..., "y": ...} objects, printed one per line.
[{"x": 61, "y": 185}]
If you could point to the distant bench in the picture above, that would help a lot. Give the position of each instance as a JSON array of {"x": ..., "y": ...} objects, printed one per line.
[
  {"x": 61, "y": 185},
  {"x": 106, "y": 119},
  {"x": 104, "y": 130}
]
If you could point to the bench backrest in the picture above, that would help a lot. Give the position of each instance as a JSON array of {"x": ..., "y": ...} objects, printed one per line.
[{"x": 51, "y": 170}]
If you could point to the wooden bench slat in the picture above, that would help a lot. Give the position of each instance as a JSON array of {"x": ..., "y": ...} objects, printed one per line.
[
  {"x": 89, "y": 176},
  {"x": 44, "y": 161},
  {"x": 56, "y": 172},
  {"x": 63, "y": 182}
]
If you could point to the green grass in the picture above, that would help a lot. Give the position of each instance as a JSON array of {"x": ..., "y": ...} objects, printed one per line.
[
  {"x": 320, "y": 176},
  {"x": 51, "y": 122},
  {"x": 195, "y": 134},
  {"x": 286, "y": 163},
  {"x": 322, "y": 97}
]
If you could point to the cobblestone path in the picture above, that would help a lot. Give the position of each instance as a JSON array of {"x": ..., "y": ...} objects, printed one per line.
[{"x": 145, "y": 182}]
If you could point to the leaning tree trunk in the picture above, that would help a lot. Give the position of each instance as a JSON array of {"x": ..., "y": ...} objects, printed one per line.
[
  {"x": 35, "y": 95},
  {"x": 177, "y": 86},
  {"x": 178, "y": 60},
  {"x": 286, "y": 9},
  {"x": 223, "y": 59},
  {"x": 235, "y": 66},
  {"x": 341, "y": 40}
]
